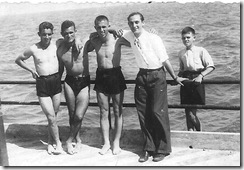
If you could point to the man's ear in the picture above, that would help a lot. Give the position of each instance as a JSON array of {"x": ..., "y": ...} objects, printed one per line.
[{"x": 62, "y": 34}]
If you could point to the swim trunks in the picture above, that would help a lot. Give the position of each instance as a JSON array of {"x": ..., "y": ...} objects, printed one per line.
[
  {"x": 110, "y": 81},
  {"x": 48, "y": 86},
  {"x": 77, "y": 83},
  {"x": 192, "y": 93}
]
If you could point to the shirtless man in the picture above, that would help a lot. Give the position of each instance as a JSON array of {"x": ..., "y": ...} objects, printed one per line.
[
  {"x": 109, "y": 82},
  {"x": 77, "y": 83},
  {"x": 48, "y": 80}
]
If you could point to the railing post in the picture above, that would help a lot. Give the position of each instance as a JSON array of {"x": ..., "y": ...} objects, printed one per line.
[{"x": 3, "y": 146}]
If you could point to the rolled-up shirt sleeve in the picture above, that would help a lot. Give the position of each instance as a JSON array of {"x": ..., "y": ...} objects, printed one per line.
[
  {"x": 128, "y": 35},
  {"x": 207, "y": 59}
]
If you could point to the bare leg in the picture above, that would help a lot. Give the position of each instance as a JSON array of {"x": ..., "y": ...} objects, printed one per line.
[
  {"x": 50, "y": 148},
  {"x": 196, "y": 120},
  {"x": 82, "y": 101},
  {"x": 56, "y": 103},
  {"x": 193, "y": 121},
  {"x": 47, "y": 105},
  {"x": 103, "y": 102},
  {"x": 70, "y": 99},
  {"x": 77, "y": 107},
  {"x": 189, "y": 124},
  {"x": 117, "y": 105}
]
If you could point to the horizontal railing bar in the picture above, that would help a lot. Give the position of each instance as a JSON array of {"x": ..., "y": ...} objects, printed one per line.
[
  {"x": 175, "y": 106},
  {"x": 172, "y": 82}
]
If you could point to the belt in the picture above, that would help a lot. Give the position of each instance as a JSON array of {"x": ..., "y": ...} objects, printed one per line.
[
  {"x": 149, "y": 70},
  {"x": 46, "y": 76},
  {"x": 77, "y": 77}
]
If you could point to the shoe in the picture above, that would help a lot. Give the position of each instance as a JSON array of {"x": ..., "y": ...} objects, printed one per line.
[
  {"x": 144, "y": 157},
  {"x": 158, "y": 157}
]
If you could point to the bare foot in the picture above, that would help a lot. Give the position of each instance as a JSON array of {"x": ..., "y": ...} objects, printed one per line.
[
  {"x": 70, "y": 148},
  {"x": 50, "y": 149},
  {"x": 104, "y": 149},
  {"x": 116, "y": 150},
  {"x": 78, "y": 146},
  {"x": 58, "y": 150},
  {"x": 78, "y": 139}
]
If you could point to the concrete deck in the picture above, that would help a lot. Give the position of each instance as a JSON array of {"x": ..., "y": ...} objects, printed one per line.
[{"x": 25, "y": 148}]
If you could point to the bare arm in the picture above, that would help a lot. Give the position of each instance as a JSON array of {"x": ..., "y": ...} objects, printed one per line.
[
  {"x": 199, "y": 78},
  {"x": 58, "y": 42},
  {"x": 169, "y": 68},
  {"x": 60, "y": 62},
  {"x": 78, "y": 43},
  {"x": 20, "y": 60},
  {"x": 181, "y": 69},
  {"x": 60, "y": 66},
  {"x": 123, "y": 41},
  {"x": 87, "y": 48},
  {"x": 117, "y": 51}
]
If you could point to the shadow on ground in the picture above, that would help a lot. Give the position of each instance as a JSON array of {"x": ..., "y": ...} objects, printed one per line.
[{"x": 37, "y": 135}]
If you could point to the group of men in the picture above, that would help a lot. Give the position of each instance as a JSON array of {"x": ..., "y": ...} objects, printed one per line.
[{"x": 51, "y": 58}]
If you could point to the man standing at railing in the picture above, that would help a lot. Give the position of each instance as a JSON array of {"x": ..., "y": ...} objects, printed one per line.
[
  {"x": 76, "y": 84},
  {"x": 109, "y": 82},
  {"x": 48, "y": 81},
  {"x": 151, "y": 87},
  {"x": 195, "y": 63}
]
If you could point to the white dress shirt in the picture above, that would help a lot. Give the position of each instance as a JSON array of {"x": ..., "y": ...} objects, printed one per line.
[
  {"x": 148, "y": 48},
  {"x": 195, "y": 59}
]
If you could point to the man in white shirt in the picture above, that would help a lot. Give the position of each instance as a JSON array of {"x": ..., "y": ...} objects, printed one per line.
[{"x": 151, "y": 87}]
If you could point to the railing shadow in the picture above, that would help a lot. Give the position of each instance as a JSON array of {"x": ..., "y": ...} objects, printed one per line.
[{"x": 31, "y": 136}]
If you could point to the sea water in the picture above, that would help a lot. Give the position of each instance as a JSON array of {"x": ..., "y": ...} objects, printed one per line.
[{"x": 218, "y": 30}]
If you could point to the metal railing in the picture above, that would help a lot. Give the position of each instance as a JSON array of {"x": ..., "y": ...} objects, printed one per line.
[
  {"x": 3, "y": 149},
  {"x": 171, "y": 82}
]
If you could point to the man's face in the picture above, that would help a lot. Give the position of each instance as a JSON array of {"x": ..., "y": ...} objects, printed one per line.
[
  {"x": 188, "y": 39},
  {"x": 102, "y": 28},
  {"x": 69, "y": 34},
  {"x": 135, "y": 24},
  {"x": 46, "y": 36}
]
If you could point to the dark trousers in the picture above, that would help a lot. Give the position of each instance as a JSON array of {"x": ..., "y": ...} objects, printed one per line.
[{"x": 152, "y": 108}]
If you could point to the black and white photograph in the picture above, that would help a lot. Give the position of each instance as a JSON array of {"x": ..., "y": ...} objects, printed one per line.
[{"x": 121, "y": 84}]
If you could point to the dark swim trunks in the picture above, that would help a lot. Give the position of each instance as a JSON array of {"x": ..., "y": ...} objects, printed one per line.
[
  {"x": 77, "y": 83},
  {"x": 192, "y": 93},
  {"x": 110, "y": 81},
  {"x": 48, "y": 86}
]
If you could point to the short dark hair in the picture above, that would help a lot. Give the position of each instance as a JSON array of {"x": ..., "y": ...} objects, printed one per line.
[
  {"x": 66, "y": 24},
  {"x": 188, "y": 29},
  {"x": 135, "y": 13},
  {"x": 45, "y": 25},
  {"x": 100, "y": 18}
]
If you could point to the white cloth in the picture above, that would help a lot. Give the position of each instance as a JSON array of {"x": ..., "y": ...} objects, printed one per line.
[
  {"x": 148, "y": 48},
  {"x": 190, "y": 61},
  {"x": 195, "y": 59}
]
